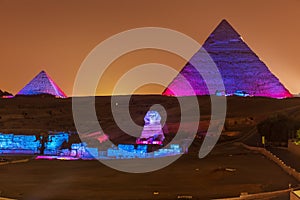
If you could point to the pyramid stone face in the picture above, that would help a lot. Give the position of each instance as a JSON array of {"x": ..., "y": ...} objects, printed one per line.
[
  {"x": 240, "y": 68},
  {"x": 42, "y": 84}
]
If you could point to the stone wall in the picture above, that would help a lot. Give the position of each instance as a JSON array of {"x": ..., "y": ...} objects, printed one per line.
[
  {"x": 124, "y": 151},
  {"x": 18, "y": 144},
  {"x": 54, "y": 143},
  {"x": 79, "y": 150},
  {"x": 29, "y": 144}
]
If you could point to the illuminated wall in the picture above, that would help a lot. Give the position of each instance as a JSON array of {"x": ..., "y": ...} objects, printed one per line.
[
  {"x": 42, "y": 84},
  {"x": 29, "y": 144},
  {"x": 124, "y": 151},
  {"x": 18, "y": 144},
  {"x": 239, "y": 66}
]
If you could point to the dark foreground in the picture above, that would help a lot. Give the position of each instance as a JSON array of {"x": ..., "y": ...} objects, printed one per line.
[{"x": 203, "y": 179}]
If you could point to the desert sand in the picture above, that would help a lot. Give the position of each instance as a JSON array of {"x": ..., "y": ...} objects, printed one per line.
[{"x": 202, "y": 178}]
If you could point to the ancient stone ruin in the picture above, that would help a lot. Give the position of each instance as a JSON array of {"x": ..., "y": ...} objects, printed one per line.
[
  {"x": 152, "y": 130},
  {"x": 42, "y": 84},
  {"x": 241, "y": 69}
]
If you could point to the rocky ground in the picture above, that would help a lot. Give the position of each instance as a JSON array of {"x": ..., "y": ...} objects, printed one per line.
[
  {"x": 202, "y": 178},
  {"x": 31, "y": 115}
]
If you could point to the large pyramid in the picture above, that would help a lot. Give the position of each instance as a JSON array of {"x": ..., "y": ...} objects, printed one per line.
[
  {"x": 42, "y": 84},
  {"x": 240, "y": 68}
]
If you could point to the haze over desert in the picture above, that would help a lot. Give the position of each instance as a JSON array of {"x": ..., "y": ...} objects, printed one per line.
[{"x": 149, "y": 100}]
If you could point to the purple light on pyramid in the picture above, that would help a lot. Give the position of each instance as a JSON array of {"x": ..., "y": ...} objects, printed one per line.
[
  {"x": 240, "y": 68},
  {"x": 42, "y": 84}
]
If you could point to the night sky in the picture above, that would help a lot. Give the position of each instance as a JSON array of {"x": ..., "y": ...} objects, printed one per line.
[{"x": 56, "y": 35}]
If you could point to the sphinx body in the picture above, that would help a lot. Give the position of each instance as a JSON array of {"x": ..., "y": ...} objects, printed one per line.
[{"x": 152, "y": 130}]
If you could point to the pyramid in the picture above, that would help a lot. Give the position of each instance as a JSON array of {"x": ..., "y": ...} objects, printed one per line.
[
  {"x": 42, "y": 84},
  {"x": 240, "y": 68}
]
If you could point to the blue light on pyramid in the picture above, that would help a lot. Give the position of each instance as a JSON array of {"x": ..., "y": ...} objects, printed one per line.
[
  {"x": 42, "y": 84},
  {"x": 241, "y": 69}
]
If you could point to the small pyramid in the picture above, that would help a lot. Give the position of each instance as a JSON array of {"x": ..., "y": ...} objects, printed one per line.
[
  {"x": 42, "y": 84},
  {"x": 240, "y": 68}
]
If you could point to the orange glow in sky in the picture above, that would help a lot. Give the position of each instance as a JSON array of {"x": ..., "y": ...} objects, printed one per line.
[{"x": 56, "y": 35}]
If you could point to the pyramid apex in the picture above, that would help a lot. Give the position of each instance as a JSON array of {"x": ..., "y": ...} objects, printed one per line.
[
  {"x": 223, "y": 32},
  {"x": 225, "y": 26},
  {"x": 224, "y": 21}
]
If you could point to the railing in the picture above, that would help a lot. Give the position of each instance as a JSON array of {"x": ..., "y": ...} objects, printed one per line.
[{"x": 291, "y": 171}]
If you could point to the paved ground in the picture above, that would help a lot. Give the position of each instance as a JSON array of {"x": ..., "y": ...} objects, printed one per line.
[
  {"x": 284, "y": 154},
  {"x": 203, "y": 179}
]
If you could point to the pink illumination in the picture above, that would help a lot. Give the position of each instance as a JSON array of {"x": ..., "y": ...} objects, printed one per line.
[
  {"x": 101, "y": 137},
  {"x": 8, "y": 97},
  {"x": 148, "y": 142},
  {"x": 240, "y": 68},
  {"x": 55, "y": 158}
]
